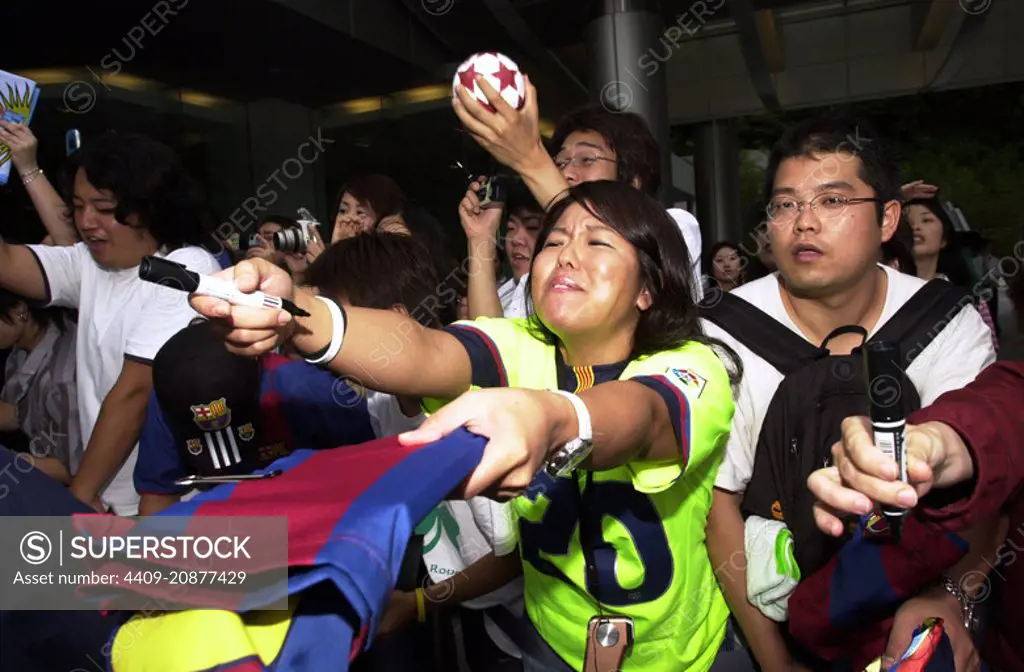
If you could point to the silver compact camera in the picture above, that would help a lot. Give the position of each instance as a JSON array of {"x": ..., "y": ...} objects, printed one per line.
[{"x": 296, "y": 240}]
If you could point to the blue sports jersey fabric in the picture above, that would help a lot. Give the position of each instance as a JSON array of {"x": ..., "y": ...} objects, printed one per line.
[{"x": 350, "y": 513}]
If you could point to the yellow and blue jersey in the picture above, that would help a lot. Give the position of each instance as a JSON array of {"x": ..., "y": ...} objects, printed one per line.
[{"x": 651, "y": 559}]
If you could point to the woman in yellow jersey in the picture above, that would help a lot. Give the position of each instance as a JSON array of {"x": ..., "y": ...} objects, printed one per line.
[{"x": 609, "y": 438}]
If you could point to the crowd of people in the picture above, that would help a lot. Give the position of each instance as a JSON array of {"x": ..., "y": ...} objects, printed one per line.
[{"x": 677, "y": 442}]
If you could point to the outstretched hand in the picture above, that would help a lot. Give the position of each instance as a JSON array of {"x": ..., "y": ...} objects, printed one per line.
[
  {"x": 862, "y": 473},
  {"x": 511, "y": 136},
  {"x": 522, "y": 425},
  {"x": 250, "y": 331}
]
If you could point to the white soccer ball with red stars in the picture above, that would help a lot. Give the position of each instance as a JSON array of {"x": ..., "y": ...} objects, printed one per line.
[{"x": 502, "y": 74}]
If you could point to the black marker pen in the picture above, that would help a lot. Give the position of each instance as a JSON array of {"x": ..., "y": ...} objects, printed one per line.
[
  {"x": 174, "y": 275},
  {"x": 883, "y": 372}
]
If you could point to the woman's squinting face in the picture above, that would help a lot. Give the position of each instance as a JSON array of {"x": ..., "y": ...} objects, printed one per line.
[
  {"x": 354, "y": 217},
  {"x": 928, "y": 235},
  {"x": 113, "y": 244},
  {"x": 726, "y": 265},
  {"x": 586, "y": 278}
]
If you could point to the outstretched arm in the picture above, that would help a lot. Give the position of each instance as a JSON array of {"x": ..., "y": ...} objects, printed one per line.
[
  {"x": 382, "y": 349},
  {"x": 386, "y": 350}
]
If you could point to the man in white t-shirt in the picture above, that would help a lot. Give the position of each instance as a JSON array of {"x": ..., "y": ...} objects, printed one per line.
[
  {"x": 834, "y": 198},
  {"x": 130, "y": 198}
]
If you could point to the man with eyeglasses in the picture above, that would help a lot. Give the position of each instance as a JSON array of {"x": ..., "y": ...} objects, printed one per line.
[
  {"x": 834, "y": 198},
  {"x": 593, "y": 144}
]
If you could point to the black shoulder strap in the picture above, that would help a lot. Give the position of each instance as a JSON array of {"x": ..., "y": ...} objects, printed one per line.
[
  {"x": 764, "y": 335},
  {"x": 923, "y": 317}
]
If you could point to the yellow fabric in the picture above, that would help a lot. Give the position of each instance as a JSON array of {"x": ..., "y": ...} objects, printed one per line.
[
  {"x": 186, "y": 641},
  {"x": 682, "y": 626}
]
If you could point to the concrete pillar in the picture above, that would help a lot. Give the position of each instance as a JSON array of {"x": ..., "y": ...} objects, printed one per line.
[
  {"x": 717, "y": 175},
  {"x": 286, "y": 151},
  {"x": 623, "y": 76}
]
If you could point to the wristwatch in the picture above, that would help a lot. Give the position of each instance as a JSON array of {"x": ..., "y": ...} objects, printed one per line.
[{"x": 571, "y": 455}]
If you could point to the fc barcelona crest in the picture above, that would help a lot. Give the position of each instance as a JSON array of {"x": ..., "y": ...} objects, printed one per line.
[
  {"x": 212, "y": 417},
  {"x": 246, "y": 432},
  {"x": 195, "y": 446}
]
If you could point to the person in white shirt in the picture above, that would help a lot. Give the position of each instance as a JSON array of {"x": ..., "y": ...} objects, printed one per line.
[
  {"x": 592, "y": 144},
  {"x": 833, "y": 200},
  {"x": 130, "y": 197}
]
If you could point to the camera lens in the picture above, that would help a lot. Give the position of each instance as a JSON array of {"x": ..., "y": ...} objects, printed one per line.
[{"x": 290, "y": 241}]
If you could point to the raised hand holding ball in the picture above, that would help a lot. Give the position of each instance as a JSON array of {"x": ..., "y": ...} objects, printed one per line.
[{"x": 501, "y": 73}]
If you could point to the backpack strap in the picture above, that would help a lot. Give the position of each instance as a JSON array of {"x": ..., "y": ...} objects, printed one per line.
[
  {"x": 765, "y": 336},
  {"x": 847, "y": 329},
  {"x": 923, "y": 317}
]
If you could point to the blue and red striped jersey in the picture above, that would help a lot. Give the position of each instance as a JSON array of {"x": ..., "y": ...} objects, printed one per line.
[{"x": 350, "y": 512}]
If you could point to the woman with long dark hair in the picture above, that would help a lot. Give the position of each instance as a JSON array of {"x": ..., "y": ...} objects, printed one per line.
[
  {"x": 607, "y": 411},
  {"x": 939, "y": 254}
]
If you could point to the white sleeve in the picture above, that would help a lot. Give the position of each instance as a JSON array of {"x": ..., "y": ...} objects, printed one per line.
[
  {"x": 494, "y": 520},
  {"x": 165, "y": 311},
  {"x": 955, "y": 358},
  {"x": 690, "y": 229},
  {"x": 62, "y": 268},
  {"x": 738, "y": 462},
  {"x": 386, "y": 416}
]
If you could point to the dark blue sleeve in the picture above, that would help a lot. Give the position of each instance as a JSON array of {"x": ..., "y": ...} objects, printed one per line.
[
  {"x": 159, "y": 463},
  {"x": 678, "y": 410},
  {"x": 484, "y": 356},
  {"x": 322, "y": 410}
]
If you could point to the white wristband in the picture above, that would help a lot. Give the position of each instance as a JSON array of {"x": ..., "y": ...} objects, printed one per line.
[
  {"x": 586, "y": 430},
  {"x": 337, "y": 333}
]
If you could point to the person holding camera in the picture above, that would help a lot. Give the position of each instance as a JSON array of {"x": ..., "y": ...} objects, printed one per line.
[
  {"x": 481, "y": 217},
  {"x": 286, "y": 243}
]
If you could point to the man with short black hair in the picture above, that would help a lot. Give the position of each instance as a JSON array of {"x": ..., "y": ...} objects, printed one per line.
[{"x": 834, "y": 198}]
